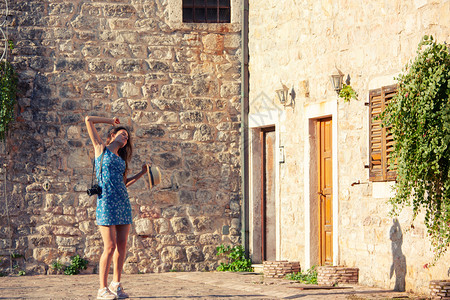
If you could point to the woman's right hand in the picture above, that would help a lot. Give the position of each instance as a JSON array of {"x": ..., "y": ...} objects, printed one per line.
[{"x": 115, "y": 121}]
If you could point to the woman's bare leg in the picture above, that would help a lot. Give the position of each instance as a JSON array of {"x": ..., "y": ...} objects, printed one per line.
[
  {"x": 121, "y": 250},
  {"x": 109, "y": 245}
]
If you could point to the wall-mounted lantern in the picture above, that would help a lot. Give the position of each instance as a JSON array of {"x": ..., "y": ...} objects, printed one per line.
[
  {"x": 283, "y": 94},
  {"x": 337, "y": 78},
  {"x": 285, "y": 97}
]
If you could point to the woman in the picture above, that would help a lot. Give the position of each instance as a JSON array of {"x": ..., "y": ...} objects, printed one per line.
[{"x": 113, "y": 212}]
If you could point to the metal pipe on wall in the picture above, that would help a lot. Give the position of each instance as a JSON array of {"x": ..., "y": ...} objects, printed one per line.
[{"x": 244, "y": 129}]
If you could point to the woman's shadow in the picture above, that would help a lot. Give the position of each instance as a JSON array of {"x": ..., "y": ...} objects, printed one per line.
[{"x": 398, "y": 258}]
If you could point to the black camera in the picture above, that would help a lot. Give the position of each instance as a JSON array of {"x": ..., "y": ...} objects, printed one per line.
[{"x": 94, "y": 190}]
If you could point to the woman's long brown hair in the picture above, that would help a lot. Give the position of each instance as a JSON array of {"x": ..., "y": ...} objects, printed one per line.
[{"x": 124, "y": 152}]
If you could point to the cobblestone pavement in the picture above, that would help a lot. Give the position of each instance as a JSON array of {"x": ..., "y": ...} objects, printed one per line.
[{"x": 184, "y": 285}]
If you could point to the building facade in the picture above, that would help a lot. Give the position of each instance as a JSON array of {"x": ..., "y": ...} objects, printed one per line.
[{"x": 317, "y": 194}]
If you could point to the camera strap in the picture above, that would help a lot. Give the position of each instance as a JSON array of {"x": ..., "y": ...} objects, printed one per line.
[{"x": 101, "y": 165}]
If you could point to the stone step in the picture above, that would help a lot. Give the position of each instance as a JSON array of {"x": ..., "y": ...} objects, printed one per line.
[{"x": 258, "y": 268}]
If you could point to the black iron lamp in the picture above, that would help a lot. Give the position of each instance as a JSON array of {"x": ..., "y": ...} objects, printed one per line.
[{"x": 337, "y": 77}]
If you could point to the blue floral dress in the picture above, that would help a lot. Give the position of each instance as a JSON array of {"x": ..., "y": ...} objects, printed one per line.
[{"x": 113, "y": 205}]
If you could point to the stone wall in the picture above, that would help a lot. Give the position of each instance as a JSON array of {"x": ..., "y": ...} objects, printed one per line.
[
  {"x": 298, "y": 44},
  {"x": 177, "y": 86}
]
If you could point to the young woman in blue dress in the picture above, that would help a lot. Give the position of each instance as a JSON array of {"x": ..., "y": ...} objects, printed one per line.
[{"x": 113, "y": 213}]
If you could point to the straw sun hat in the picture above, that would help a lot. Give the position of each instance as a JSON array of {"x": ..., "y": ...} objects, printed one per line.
[{"x": 154, "y": 175}]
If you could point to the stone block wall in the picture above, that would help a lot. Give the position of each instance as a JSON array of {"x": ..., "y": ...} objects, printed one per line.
[
  {"x": 279, "y": 269},
  {"x": 440, "y": 289},
  {"x": 177, "y": 86},
  {"x": 331, "y": 275}
]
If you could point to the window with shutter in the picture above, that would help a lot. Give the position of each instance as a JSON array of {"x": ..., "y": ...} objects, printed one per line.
[
  {"x": 381, "y": 143},
  {"x": 206, "y": 11}
]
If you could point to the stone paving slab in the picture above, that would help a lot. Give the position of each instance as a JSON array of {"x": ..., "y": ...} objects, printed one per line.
[{"x": 183, "y": 285}]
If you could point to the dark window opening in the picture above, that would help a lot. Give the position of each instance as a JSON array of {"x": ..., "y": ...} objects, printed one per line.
[{"x": 206, "y": 11}]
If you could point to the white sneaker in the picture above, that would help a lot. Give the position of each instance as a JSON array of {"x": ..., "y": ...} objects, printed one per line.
[
  {"x": 105, "y": 294},
  {"x": 118, "y": 291}
]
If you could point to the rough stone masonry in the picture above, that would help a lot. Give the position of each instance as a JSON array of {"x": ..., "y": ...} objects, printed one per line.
[{"x": 176, "y": 86}]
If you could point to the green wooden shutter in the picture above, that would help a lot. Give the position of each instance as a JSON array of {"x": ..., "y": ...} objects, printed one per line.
[{"x": 381, "y": 143}]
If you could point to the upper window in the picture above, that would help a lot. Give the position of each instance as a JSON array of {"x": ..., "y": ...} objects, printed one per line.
[
  {"x": 381, "y": 142},
  {"x": 206, "y": 11}
]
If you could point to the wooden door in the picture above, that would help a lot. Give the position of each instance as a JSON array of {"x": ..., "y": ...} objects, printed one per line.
[
  {"x": 268, "y": 216},
  {"x": 325, "y": 192}
]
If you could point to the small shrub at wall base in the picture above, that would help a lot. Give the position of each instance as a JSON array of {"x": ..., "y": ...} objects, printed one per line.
[
  {"x": 57, "y": 265},
  {"x": 237, "y": 262},
  {"x": 76, "y": 266},
  {"x": 309, "y": 277},
  {"x": 419, "y": 120}
]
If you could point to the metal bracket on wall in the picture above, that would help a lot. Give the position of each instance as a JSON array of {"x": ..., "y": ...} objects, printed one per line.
[
  {"x": 358, "y": 182},
  {"x": 281, "y": 154}
]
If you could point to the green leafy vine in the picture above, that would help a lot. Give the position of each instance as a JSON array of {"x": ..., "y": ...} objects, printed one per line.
[
  {"x": 420, "y": 120},
  {"x": 8, "y": 90}
]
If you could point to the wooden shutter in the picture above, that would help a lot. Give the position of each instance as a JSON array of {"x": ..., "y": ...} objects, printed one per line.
[{"x": 381, "y": 142}]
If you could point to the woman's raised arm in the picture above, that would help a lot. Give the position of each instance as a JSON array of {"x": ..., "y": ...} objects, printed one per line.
[{"x": 93, "y": 134}]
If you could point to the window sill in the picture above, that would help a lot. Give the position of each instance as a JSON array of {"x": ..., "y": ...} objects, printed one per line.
[{"x": 383, "y": 189}]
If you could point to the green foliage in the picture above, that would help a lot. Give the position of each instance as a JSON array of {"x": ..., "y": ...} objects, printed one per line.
[
  {"x": 237, "y": 260},
  {"x": 309, "y": 277},
  {"x": 22, "y": 273},
  {"x": 420, "y": 120},
  {"x": 16, "y": 255},
  {"x": 347, "y": 93},
  {"x": 8, "y": 89},
  {"x": 57, "y": 265},
  {"x": 76, "y": 266}
]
